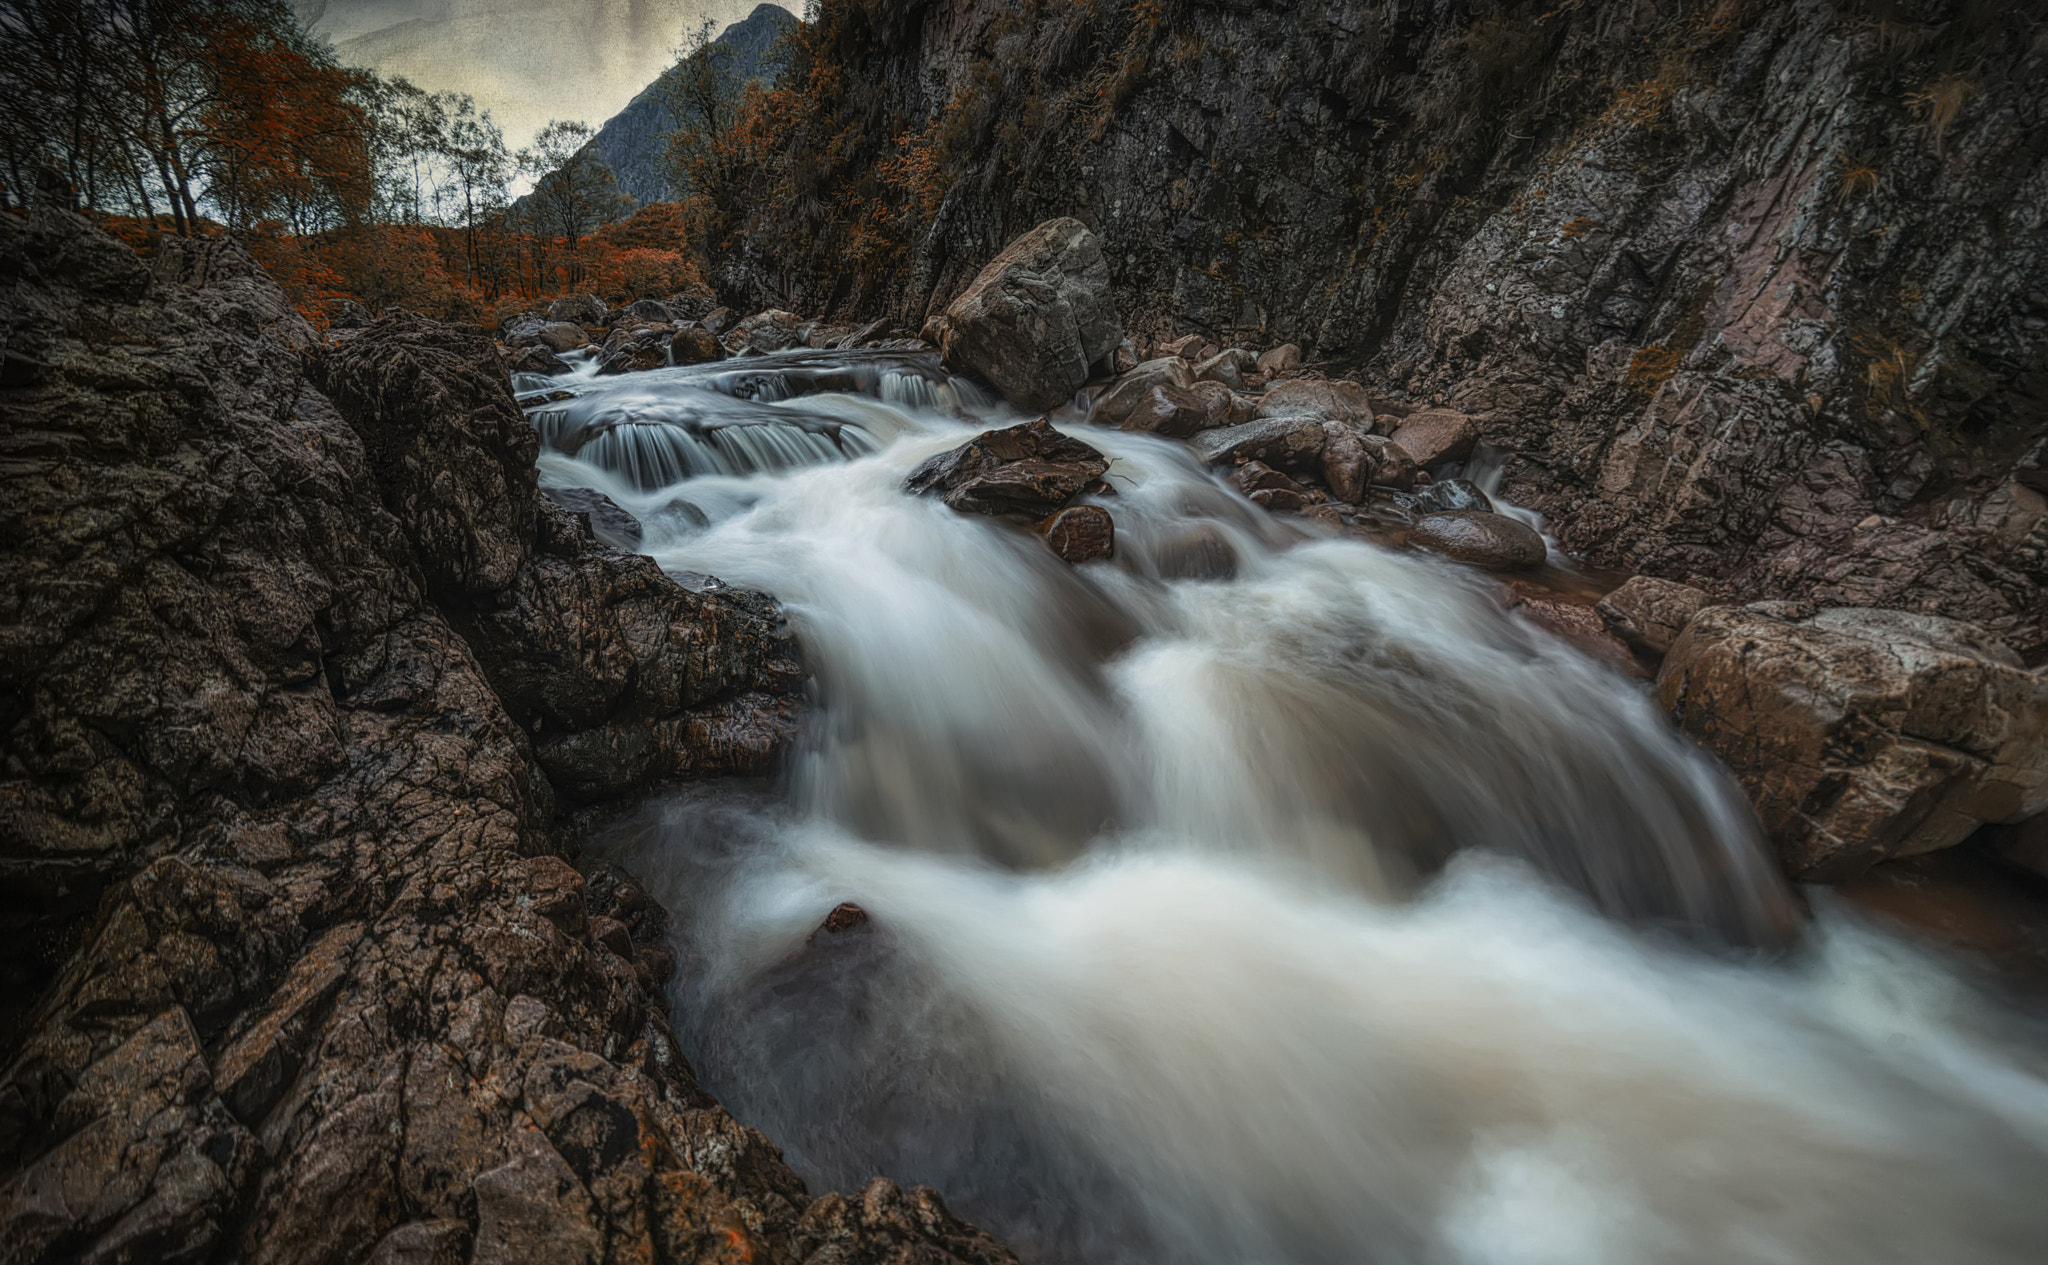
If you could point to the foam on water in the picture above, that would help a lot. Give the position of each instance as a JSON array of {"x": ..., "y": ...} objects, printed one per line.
[{"x": 1269, "y": 896}]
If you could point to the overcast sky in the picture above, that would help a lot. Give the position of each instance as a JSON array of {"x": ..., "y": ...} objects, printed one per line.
[{"x": 527, "y": 61}]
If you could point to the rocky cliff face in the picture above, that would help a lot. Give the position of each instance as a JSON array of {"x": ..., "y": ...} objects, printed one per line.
[
  {"x": 1757, "y": 294},
  {"x": 298, "y": 671}
]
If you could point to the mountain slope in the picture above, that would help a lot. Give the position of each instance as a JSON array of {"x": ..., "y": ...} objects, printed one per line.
[{"x": 630, "y": 143}]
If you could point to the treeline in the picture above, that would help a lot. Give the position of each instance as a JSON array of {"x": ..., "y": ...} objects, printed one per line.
[{"x": 204, "y": 116}]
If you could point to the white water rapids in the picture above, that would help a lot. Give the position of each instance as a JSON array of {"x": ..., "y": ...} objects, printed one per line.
[{"x": 1259, "y": 896}]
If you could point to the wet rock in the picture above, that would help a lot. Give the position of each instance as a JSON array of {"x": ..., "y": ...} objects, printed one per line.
[
  {"x": 1649, "y": 613},
  {"x": 1434, "y": 436},
  {"x": 1113, "y": 406},
  {"x": 579, "y": 309},
  {"x": 1861, "y": 735},
  {"x": 1227, "y": 367},
  {"x": 1493, "y": 541},
  {"x": 1037, "y": 319},
  {"x": 1186, "y": 347},
  {"x": 649, "y": 312},
  {"x": 1030, "y": 469},
  {"x": 1124, "y": 358},
  {"x": 1325, "y": 400},
  {"x": 1082, "y": 533},
  {"x": 537, "y": 359},
  {"x": 1347, "y": 467},
  {"x": 845, "y": 916},
  {"x": 717, "y": 320},
  {"x": 609, "y": 523},
  {"x": 1441, "y": 495},
  {"x": 293, "y": 974},
  {"x": 694, "y": 345},
  {"x": 1392, "y": 466},
  {"x": 1221, "y": 406},
  {"x": 1575, "y": 623},
  {"x": 635, "y": 353},
  {"x": 1293, "y": 442},
  {"x": 1285, "y": 358},
  {"x": 1169, "y": 411},
  {"x": 772, "y": 330}
]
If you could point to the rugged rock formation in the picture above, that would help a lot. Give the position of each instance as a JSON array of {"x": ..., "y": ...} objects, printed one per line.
[
  {"x": 1757, "y": 293},
  {"x": 297, "y": 669},
  {"x": 1038, "y": 320},
  {"x": 1029, "y": 469},
  {"x": 1862, "y": 735}
]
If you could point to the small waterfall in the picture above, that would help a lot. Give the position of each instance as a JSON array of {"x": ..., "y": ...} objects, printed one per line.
[{"x": 1260, "y": 894}]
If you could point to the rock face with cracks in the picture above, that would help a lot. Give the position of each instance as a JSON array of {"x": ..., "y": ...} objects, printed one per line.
[
  {"x": 296, "y": 669},
  {"x": 1038, "y": 319},
  {"x": 1862, "y": 735}
]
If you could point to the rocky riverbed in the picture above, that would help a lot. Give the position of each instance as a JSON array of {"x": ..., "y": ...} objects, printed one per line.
[{"x": 316, "y": 696}]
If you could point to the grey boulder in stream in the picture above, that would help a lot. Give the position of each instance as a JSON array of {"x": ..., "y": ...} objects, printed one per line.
[{"x": 1037, "y": 320}]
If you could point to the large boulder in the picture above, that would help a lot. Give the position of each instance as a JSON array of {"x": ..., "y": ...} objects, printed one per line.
[
  {"x": 1860, "y": 734},
  {"x": 579, "y": 309},
  {"x": 1480, "y": 539},
  {"x": 1324, "y": 399},
  {"x": 1030, "y": 469},
  {"x": 1037, "y": 319}
]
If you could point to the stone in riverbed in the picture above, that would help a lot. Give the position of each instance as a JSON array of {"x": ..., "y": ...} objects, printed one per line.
[
  {"x": 1325, "y": 400},
  {"x": 1186, "y": 347},
  {"x": 1082, "y": 533},
  {"x": 1392, "y": 466},
  {"x": 1347, "y": 467},
  {"x": 1437, "y": 435},
  {"x": 1116, "y": 404},
  {"x": 1493, "y": 541},
  {"x": 1227, "y": 367},
  {"x": 536, "y": 360},
  {"x": 1282, "y": 359},
  {"x": 1649, "y": 613},
  {"x": 1860, "y": 734},
  {"x": 1030, "y": 469},
  {"x": 1293, "y": 443},
  {"x": 1169, "y": 411},
  {"x": 694, "y": 345},
  {"x": 579, "y": 309},
  {"x": 1038, "y": 319}
]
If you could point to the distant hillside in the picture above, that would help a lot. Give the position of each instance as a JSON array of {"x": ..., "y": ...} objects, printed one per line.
[
  {"x": 631, "y": 141},
  {"x": 526, "y": 61}
]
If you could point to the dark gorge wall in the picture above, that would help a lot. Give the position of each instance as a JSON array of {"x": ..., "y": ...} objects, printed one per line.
[
  {"x": 296, "y": 671},
  {"x": 1756, "y": 293}
]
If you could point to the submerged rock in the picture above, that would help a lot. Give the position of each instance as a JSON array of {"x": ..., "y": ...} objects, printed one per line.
[
  {"x": 1038, "y": 319},
  {"x": 1493, "y": 541},
  {"x": 1862, "y": 735},
  {"x": 1029, "y": 469}
]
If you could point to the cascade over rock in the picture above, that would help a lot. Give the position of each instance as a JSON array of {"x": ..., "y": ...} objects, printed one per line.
[{"x": 298, "y": 669}]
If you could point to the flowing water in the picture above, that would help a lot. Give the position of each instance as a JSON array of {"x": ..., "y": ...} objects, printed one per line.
[{"x": 1261, "y": 895}]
